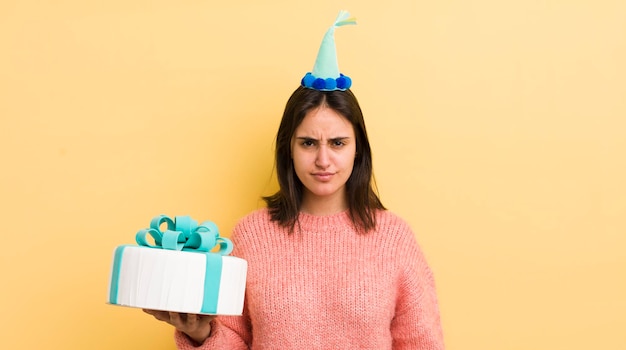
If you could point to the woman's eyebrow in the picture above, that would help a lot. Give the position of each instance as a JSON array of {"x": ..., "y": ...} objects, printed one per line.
[
  {"x": 332, "y": 139},
  {"x": 306, "y": 138},
  {"x": 338, "y": 138}
]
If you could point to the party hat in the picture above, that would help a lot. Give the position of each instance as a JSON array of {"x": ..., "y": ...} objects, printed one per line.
[{"x": 325, "y": 75}]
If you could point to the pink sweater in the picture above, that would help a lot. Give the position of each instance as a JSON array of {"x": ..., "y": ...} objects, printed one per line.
[{"x": 329, "y": 287}]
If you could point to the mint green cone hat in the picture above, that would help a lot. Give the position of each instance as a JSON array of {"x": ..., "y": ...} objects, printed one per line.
[{"x": 325, "y": 75}]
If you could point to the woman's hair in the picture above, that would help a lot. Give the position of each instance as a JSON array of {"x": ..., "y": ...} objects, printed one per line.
[{"x": 284, "y": 205}]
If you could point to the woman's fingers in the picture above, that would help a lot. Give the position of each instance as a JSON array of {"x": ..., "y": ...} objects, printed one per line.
[
  {"x": 197, "y": 327},
  {"x": 159, "y": 315},
  {"x": 180, "y": 320},
  {"x": 192, "y": 320}
]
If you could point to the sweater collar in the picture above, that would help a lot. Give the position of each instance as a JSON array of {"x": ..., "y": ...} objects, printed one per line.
[{"x": 317, "y": 223}]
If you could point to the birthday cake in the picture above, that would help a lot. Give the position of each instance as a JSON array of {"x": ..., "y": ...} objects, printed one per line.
[{"x": 184, "y": 268}]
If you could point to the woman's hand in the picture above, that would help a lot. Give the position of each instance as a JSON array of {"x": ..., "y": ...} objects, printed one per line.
[{"x": 197, "y": 327}]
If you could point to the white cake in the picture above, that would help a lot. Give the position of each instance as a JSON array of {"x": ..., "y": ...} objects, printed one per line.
[{"x": 186, "y": 281}]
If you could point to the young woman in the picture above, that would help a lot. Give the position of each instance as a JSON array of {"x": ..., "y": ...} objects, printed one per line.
[{"x": 328, "y": 266}]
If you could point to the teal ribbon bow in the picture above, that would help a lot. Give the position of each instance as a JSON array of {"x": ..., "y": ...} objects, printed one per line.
[{"x": 184, "y": 233}]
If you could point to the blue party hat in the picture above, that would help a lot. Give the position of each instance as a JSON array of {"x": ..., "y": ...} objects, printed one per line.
[{"x": 325, "y": 75}]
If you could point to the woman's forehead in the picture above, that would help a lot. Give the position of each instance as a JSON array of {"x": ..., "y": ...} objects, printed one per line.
[{"x": 324, "y": 123}]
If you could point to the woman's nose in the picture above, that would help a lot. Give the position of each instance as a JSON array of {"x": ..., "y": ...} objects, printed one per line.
[{"x": 322, "y": 159}]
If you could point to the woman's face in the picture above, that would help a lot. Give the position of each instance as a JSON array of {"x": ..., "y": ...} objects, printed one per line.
[{"x": 323, "y": 149}]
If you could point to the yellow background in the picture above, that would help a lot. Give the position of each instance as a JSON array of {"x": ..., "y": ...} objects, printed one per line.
[{"x": 498, "y": 130}]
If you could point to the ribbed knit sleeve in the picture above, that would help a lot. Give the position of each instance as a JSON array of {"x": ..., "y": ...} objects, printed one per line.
[
  {"x": 222, "y": 337},
  {"x": 416, "y": 323}
]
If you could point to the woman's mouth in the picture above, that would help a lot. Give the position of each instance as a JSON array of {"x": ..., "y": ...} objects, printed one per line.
[{"x": 323, "y": 176}]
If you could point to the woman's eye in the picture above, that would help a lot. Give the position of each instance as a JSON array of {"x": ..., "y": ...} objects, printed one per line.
[{"x": 307, "y": 143}]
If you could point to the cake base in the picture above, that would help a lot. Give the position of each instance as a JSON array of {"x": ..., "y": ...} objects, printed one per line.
[{"x": 177, "y": 281}]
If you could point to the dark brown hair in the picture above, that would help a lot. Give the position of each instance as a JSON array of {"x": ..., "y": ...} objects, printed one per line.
[{"x": 284, "y": 205}]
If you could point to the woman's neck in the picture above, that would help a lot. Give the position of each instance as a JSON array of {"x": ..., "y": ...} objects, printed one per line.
[{"x": 326, "y": 205}]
